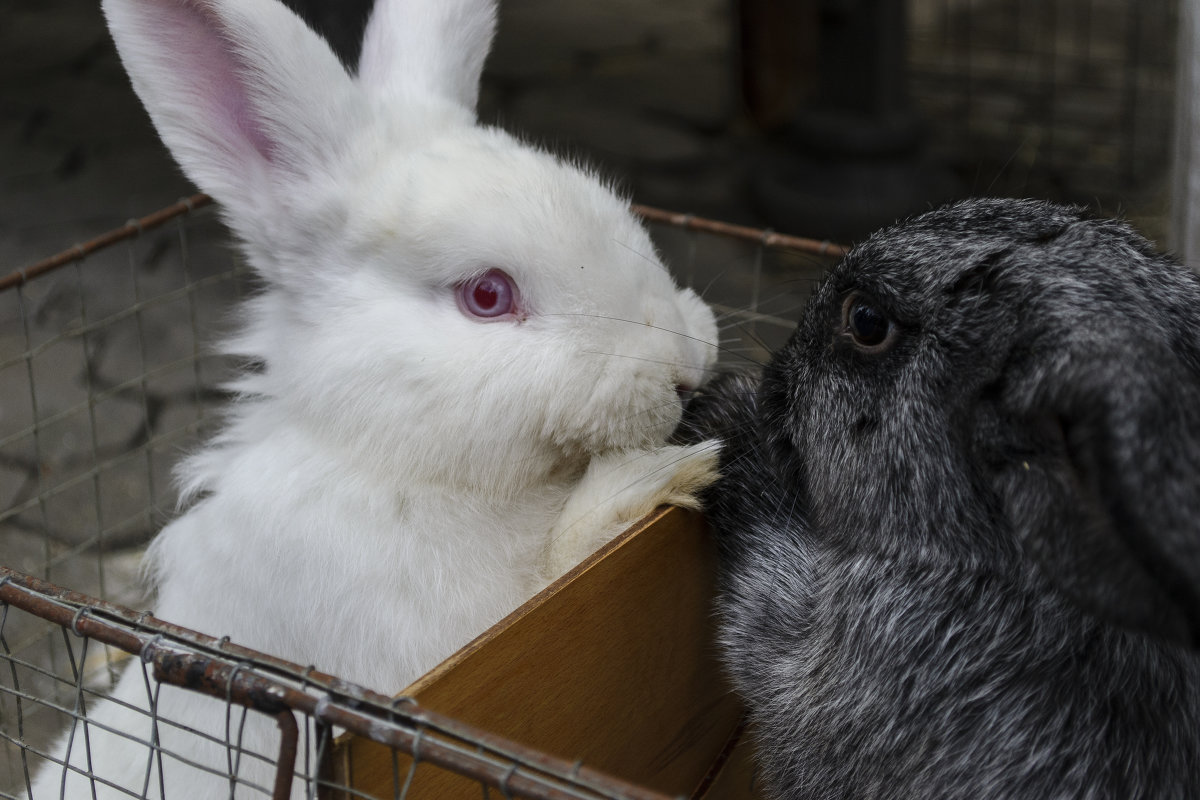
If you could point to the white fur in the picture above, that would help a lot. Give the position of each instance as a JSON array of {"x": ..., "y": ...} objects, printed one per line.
[{"x": 394, "y": 479}]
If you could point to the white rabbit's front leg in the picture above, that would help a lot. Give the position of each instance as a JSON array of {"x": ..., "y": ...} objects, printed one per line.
[{"x": 618, "y": 489}]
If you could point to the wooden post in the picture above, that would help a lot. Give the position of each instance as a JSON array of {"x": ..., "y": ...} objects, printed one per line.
[{"x": 1185, "y": 200}]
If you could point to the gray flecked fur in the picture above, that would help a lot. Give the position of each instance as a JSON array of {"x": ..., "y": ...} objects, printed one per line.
[{"x": 966, "y": 567}]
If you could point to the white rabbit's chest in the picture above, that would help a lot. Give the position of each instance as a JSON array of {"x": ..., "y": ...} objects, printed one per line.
[{"x": 376, "y": 590}]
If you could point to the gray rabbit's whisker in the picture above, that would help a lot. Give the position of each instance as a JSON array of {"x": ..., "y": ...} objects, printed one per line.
[
  {"x": 653, "y": 415},
  {"x": 653, "y": 424},
  {"x": 733, "y": 327},
  {"x": 744, "y": 349},
  {"x": 725, "y": 313},
  {"x": 704, "y": 292},
  {"x": 752, "y": 336},
  {"x": 745, "y": 315},
  {"x": 670, "y": 406},
  {"x": 1004, "y": 167},
  {"x": 739, "y": 343}
]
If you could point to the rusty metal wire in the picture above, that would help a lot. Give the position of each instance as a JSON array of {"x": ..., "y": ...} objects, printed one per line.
[
  {"x": 199, "y": 200},
  {"x": 131, "y": 229},
  {"x": 767, "y": 238}
]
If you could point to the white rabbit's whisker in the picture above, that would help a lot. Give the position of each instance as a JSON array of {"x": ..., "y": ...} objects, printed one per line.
[
  {"x": 638, "y": 253},
  {"x": 719, "y": 348},
  {"x": 632, "y": 322},
  {"x": 713, "y": 370}
]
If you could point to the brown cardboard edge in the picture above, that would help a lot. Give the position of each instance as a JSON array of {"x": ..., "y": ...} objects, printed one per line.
[{"x": 538, "y": 599}]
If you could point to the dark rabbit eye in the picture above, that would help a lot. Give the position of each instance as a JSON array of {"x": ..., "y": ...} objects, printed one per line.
[
  {"x": 487, "y": 296},
  {"x": 869, "y": 327}
]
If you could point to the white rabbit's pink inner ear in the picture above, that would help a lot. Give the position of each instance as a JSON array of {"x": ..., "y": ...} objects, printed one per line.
[
  {"x": 246, "y": 97},
  {"x": 492, "y": 295},
  {"x": 201, "y": 49}
]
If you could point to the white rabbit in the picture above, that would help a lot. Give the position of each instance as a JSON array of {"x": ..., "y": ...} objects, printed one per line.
[{"x": 470, "y": 361}]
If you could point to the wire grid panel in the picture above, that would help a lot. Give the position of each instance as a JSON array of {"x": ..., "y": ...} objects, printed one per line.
[
  {"x": 103, "y": 379},
  {"x": 91, "y": 717},
  {"x": 107, "y": 375},
  {"x": 185, "y": 755},
  {"x": 1067, "y": 99}
]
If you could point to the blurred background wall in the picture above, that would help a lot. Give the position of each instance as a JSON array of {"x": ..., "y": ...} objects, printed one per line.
[{"x": 818, "y": 117}]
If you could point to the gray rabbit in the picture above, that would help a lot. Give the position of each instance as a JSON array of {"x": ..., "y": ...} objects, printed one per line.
[{"x": 959, "y": 521}]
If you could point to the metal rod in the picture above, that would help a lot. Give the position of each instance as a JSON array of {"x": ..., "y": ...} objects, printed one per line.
[
  {"x": 136, "y": 227},
  {"x": 129, "y": 230},
  {"x": 765, "y": 237},
  {"x": 285, "y": 765}
]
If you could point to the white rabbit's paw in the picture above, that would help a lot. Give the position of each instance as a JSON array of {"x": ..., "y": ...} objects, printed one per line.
[
  {"x": 618, "y": 489},
  {"x": 673, "y": 475}
]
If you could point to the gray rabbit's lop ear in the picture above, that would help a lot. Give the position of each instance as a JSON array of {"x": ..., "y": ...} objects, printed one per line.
[{"x": 1108, "y": 499}]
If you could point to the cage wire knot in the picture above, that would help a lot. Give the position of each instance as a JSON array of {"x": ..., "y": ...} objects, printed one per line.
[
  {"x": 306, "y": 677},
  {"x": 504, "y": 781},
  {"x": 147, "y": 652},
  {"x": 78, "y": 616},
  {"x": 416, "y": 758},
  {"x": 401, "y": 699}
]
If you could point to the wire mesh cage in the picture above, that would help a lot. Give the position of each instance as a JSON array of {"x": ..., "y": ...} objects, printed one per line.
[
  {"x": 107, "y": 374},
  {"x": 1065, "y": 99}
]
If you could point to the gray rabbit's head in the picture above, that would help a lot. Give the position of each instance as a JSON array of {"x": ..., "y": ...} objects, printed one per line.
[{"x": 1012, "y": 359}]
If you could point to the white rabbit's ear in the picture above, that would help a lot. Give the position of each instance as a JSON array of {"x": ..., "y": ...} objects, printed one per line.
[
  {"x": 242, "y": 92},
  {"x": 430, "y": 48}
]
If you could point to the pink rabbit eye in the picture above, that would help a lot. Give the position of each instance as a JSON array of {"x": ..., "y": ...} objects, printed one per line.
[{"x": 489, "y": 295}]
